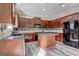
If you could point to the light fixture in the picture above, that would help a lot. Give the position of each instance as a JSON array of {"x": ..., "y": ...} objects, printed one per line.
[
  {"x": 43, "y": 9},
  {"x": 9, "y": 27},
  {"x": 63, "y": 5}
]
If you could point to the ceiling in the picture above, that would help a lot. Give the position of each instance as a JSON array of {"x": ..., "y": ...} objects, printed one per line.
[{"x": 48, "y": 11}]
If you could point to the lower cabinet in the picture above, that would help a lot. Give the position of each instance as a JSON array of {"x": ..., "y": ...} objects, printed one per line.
[
  {"x": 59, "y": 38},
  {"x": 14, "y": 47},
  {"x": 29, "y": 37}
]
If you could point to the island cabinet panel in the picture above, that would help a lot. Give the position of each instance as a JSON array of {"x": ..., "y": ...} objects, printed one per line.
[
  {"x": 46, "y": 41},
  {"x": 12, "y": 47},
  {"x": 5, "y": 12}
]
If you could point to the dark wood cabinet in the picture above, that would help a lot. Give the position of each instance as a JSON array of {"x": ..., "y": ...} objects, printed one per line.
[
  {"x": 12, "y": 47},
  {"x": 45, "y": 24},
  {"x": 29, "y": 37},
  {"x": 25, "y": 23},
  {"x": 55, "y": 24},
  {"x": 51, "y": 24},
  {"x": 59, "y": 37},
  {"x": 6, "y": 13}
]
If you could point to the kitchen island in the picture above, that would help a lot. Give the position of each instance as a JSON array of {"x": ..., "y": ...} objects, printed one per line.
[
  {"x": 33, "y": 33},
  {"x": 12, "y": 46},
  {"x": 46, "y": 40}
]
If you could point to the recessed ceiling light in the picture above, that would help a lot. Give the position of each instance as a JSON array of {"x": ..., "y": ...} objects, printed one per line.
[
  {"x": 43, "y": 9},
  {"x": 63, "y": 5}
]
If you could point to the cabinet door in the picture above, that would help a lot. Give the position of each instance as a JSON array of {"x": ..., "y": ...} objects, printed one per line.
[
  {"x": 61, "y": 21},
  {"x": 53, "y": 24},
  {"x": 5, "y": 12},
  {"x": 29, "y": 37},
  {"x": 25, "y": 23},
  {"x": 56, "y": 23},
  {"x": 48, "y": 24},
  {"x": 59, "y": 38},
  {"x": 43, "y": 24},
  {"x": 12, "y": 47}
]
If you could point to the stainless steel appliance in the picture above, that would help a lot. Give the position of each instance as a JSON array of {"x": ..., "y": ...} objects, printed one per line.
[{"x": 71, "y": 33}]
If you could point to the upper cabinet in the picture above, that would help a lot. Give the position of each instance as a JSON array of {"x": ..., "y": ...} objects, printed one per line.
[
  {"x": 25, "y": 23},
  {"x": 45, "y": 24},
  {"x": 37, "y": 20},
  {"x": 54, "y": 24},
  {"x": 6, "y": 13}
]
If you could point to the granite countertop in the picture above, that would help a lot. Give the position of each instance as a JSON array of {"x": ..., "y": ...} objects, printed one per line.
[
  {"x": 13, "y": 37},
  {"x": 48, "y": 34},
  {"x": 40, "y": 31}
]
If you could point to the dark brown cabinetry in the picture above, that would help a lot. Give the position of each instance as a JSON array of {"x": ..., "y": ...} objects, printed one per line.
[
  {"x": 25, "y": 23},
  {"x": 6, "y": 13},
  {"x": 12, "y": 47},
  {"x": 59, "y": 37},
  {"x": 29, "y": 37},
  {"x": 45, "y": 24},
  {"x": 57, "y": 23}
]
